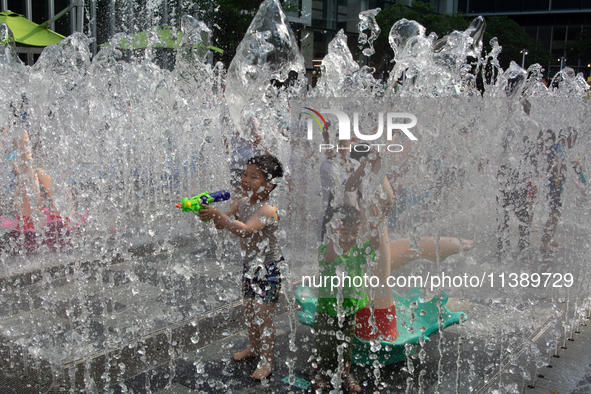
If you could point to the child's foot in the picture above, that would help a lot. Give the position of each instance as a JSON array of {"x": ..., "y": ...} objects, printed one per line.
[
  {"x": 263, "y": 371},
  {"x": 556, "y": 244},
  {"x": 318, "y": 380},
  {"x": 243, "y": 355},
  {"x": 350, "y": 385},
  {"x": 535, "y": 229}
]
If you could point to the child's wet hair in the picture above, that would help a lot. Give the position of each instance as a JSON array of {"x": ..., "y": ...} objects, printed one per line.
[
  {"x": 269, "y": 164},
  {"x": 349, "y": 215}
]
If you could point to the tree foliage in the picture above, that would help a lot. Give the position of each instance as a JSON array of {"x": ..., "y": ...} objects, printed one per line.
[
  {"x": 422, "y": 13},
  {"x": 514, "y": 39},
  {"x": 229, "y": 21},
  {"x": 510, "y": 35}
]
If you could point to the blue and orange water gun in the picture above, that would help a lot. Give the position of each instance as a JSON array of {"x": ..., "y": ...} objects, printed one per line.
[{"x": 194, "y": 204}]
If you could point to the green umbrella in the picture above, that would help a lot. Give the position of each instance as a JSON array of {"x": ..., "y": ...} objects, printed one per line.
[
  {"x": 168, "y": 39},
  {"x": 28, "y": 33}
]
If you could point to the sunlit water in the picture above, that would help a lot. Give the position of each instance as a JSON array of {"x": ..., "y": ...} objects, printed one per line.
[{"x": 124, "y": 141}]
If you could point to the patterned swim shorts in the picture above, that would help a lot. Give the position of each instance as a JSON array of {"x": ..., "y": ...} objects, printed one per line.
[{"x": 265, "y": 284}]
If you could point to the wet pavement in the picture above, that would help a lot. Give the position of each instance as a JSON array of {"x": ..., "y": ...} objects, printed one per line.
[
  {"x": 448, "y": 366},
  {"x": 153, "y": 321}
]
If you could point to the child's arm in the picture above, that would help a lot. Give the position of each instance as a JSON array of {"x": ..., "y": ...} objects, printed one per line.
[
  {"x": 380, "y": 242},
  {"x": 355, "y": 180},
  {"x": 257, "y": 222},
  {"x": 331, "y": 255},
  {"x": 402, "y": 253},
  {"x": 231, "y": 212},
  {"x": 381, "y": 211}
]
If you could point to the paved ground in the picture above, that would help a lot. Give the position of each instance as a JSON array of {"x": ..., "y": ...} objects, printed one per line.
[
  {"x": 509, "y": 337},
  {"x": 458, "y": 361},
  {"x": 153, "y": 320}
]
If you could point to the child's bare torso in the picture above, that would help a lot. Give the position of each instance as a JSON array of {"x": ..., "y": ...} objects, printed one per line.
[{"x": 262, "y": 244}]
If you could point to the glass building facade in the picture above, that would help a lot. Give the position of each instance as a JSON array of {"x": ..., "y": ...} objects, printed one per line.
[
  {"x": 321, "y": 20},
  {"x": 556, "y": 23}
]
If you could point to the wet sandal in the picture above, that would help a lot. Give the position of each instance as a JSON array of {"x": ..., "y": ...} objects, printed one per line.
[
  {"x": 317, "y": 380},
  {"x": 350, "y": 385}
]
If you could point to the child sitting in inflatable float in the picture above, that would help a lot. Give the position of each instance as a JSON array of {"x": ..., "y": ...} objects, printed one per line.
[
  {"x": 410, "y": 319},
  {"x": 347, "y": 329}
]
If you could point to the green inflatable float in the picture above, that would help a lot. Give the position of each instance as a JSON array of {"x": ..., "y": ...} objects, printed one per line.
[{"x": 414, "y": 319}]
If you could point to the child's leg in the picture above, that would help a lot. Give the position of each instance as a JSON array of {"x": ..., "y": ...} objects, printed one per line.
[
  {"x": 532, "y": 192},
  {"x": 384, "y": 312},
  {"x": 29, "y": 185},
  {"x": 265, "y": 330},
  {"x": 504, "y": 200},
  {"x": 523, "y": 218},
  {"x": 383, "y": 296},
  {"x": 327, "y": 343},
  {"x": 28, "y": 181},
  {"x": 348, "y": 383},
  {"x": 549, "y": 231},
  {"x": 322, "y": 352},
  {"x": 253, "y": 347},
  {"x": 45, "y": 180},
  {"x": 555, "y": 197}
]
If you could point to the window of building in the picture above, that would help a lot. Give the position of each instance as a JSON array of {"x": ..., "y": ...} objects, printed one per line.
[
  {"x": 558, "y": 40},
  {"x": 462, "y": 6},
  {"x": 536, "y": 5},
  {"x": 477, "y": 6},
  {"x": 63, "y": 25},
  {"x": 566, "y": 5},
  {"x": 320, "y": 46},
  {"x": 342, "y": 15},
  {"x": 507, "y": 6},
  {"x": 545, "y": 34},
  {"x": 383, "y": 4},
  {"x": 18, "y": 6},
  {"x": 318, "y": 11},
  {"x": 40, "y": 12}
]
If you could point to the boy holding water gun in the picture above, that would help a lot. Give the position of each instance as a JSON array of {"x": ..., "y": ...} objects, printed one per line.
[{"x": 253, "y": 218}]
